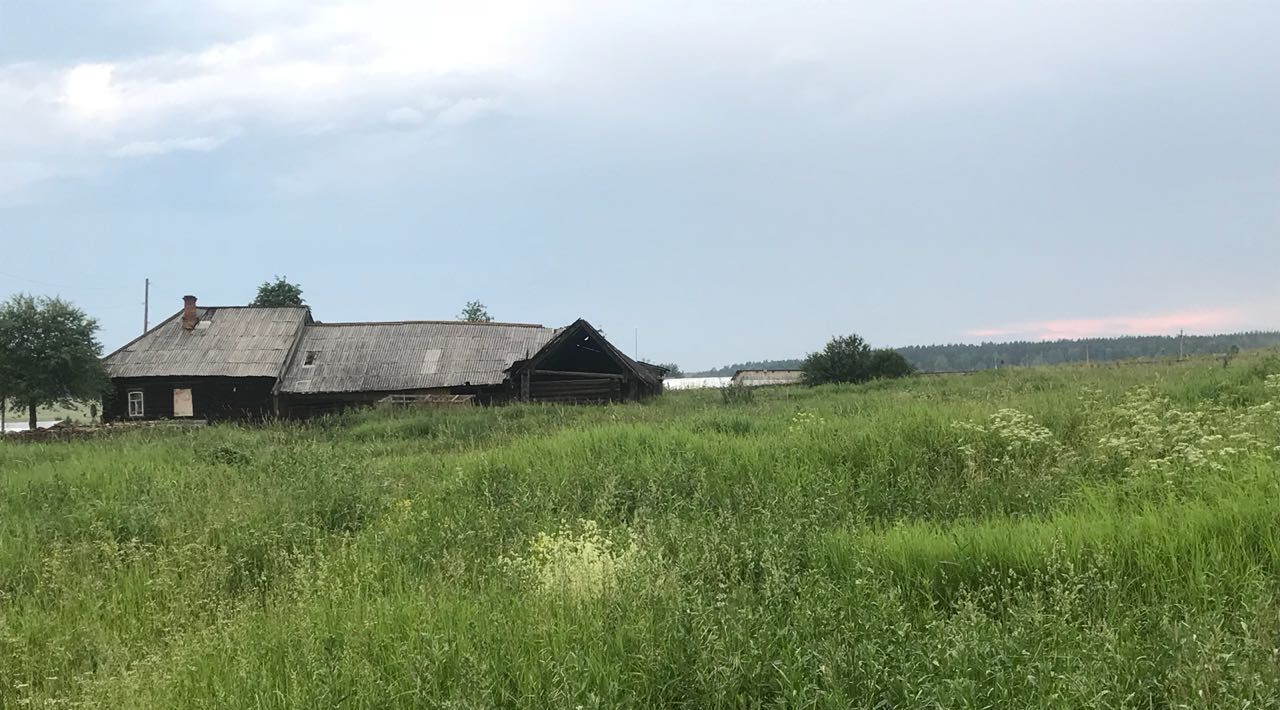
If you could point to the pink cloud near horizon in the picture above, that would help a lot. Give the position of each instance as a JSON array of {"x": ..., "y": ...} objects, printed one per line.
[{"x": 1201, "y": 321}]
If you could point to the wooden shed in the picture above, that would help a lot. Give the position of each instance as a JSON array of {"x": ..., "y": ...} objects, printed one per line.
[
  {"x": 339, "y": 365},
  {"x": 244, "y": 363}
]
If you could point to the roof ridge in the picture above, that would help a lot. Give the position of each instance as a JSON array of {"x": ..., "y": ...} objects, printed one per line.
[
  {"x": 201, "y": 305},
  {"x": 430, "y": 322}
]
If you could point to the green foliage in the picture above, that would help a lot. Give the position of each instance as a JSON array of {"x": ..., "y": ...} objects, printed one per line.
[
  {"x": 729, "y": 370},
  {"x": 737, "y": 393},
  {"x": 850, "y": 359},
  {"x": 956, "y": 357},
  {"x": 889, "y": 364},
  {"x": 1066, "y": 537},
  {"x": 844, "y": 359},
  {"x": 475, "y": 312},
  {"x": 278, "y": 293},
  {"x": 963, "y": 357},
  {"x": 49, "y": 354}
]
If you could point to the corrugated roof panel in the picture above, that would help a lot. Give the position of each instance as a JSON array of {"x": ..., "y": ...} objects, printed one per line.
[
  {"x": 384, "y": 357},
  {"x": 238, "y": 342}
]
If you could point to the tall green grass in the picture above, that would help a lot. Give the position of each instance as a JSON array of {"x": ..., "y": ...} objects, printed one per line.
[{"x": 1065, "y": 537}]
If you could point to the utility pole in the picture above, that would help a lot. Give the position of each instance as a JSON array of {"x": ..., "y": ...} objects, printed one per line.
[
  {"x": 637, "y": 345},
  {"x": 1180, "y": 339},
  {"x": 146, "y": 305},
  {"x": 1086, "y": 353}
]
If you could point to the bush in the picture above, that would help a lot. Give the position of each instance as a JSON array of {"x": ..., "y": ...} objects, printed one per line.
[
  {"x": 736, "y": 393},
  {"x": 888, "y": 363},
  {"x": 849, "y": 359}
]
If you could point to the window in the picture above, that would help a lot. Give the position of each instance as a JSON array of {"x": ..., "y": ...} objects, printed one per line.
[
  {"x": 311, "y": 358},
  {"x": 135, "y": 403}
]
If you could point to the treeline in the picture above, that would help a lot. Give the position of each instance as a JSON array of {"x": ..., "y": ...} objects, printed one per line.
[
  {"x": 728, "y": 370},
  {"x": 958, "y": 356},
  {"x": 944, "y": 358}
]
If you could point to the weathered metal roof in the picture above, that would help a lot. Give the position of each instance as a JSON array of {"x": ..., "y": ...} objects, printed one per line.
[
  {"x": 235, "y": 341},
  {"x": 755, "y": 378},
  {"x": 389, "y": 357}
]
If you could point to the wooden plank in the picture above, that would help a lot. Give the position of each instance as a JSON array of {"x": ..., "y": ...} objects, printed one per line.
[
  {"x": 596, "y": 375},
  {"x": 575, "y": 384}
]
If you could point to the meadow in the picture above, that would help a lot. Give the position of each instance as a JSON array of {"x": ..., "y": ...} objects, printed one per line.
[{"x": 1051, "y": 537}]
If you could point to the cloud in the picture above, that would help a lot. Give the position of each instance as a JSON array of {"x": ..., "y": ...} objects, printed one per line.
[
  {"x": 467, "y": 110},
  {"x": 406, "y": 116},
  {"x": 301, "y": 68},
  {"x": 326, "y": 66},
  {"x": 1201, "y": 321},
  {"x": 137, "y": 149},
  {"x": 89, "y": 94}
]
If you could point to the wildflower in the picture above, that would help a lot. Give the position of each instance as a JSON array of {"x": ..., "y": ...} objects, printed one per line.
[{"x": 578, "y": 564}]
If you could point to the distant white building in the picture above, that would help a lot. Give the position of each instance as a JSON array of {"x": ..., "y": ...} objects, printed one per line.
[
  {"x": 694, "y": 383},
  {"x": 758, "y": 378}
]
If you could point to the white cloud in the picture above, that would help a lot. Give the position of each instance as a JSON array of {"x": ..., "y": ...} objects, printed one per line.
[
  {"x": 406, "y": 116},
  {"x": 137, "y": 149},
  {"x": 467, "y": 110},
  {"x": 323, "y": 66},
  {"x": 90, "y": 95}
]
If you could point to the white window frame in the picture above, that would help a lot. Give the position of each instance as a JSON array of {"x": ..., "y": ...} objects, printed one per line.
[{"x": 140, "y": 400}]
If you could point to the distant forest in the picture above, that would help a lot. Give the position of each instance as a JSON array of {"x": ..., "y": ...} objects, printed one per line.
[{"x": 947, "y": 358}]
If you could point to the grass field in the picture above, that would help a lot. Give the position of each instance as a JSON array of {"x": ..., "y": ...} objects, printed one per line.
[{"x": 1068, "y": 537}]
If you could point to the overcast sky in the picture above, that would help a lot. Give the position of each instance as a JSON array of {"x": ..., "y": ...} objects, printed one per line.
[{"x": 735, "y": 179}]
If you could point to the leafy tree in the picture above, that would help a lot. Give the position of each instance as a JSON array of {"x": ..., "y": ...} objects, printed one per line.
[
  {"x": 474, "y": 312},
  {"x": 850, "y": 359},
  {"x": 278, "y": 293},
  {"x": 49, "y": 354},
  {"x": 888, "y": 363},
  {"x": 844, "y": 359}
]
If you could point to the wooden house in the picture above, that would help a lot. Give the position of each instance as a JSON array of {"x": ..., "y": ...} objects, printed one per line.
[{"x": 250, "y": 363}]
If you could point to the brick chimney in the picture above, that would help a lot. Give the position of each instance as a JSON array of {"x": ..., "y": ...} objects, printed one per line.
[{"x": 189, "y": 317}]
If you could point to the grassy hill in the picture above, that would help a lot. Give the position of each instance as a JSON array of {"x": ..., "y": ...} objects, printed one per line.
[{"x": 1050, "y": 537}]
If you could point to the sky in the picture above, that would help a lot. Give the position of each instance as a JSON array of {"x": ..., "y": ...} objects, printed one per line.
[{"x": 712, "y": 182}]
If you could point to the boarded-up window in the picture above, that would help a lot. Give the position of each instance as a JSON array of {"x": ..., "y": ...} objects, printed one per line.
[{"x": 182, "y": 403}]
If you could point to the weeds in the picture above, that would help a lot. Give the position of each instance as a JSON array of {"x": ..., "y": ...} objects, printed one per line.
[{"x": 1066, "y": 537}]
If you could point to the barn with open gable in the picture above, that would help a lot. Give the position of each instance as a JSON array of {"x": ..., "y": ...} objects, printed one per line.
[{"x": 246, "y": 362}]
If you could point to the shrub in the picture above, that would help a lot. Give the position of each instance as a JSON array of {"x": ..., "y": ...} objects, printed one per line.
[
  {"x": 888, "y": 364},
  {"x": 736, "y": 393},
  {"x": 849, "y": 359}
]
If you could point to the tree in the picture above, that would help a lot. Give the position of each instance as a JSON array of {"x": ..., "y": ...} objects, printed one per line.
[
  {"x": 474, "y": 312},
  {"x": 49, "y": 354},
  {"x": 844, "y": 359},
  {"x": 850, "y": 359},
  {"x": 890, "y": 363},
  {"x": 278, "y": 293}
]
